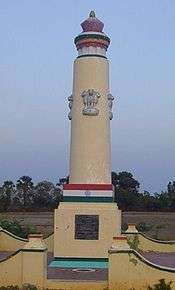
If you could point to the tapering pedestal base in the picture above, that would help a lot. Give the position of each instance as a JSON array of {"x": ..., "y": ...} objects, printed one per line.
[{"x": 85, "y": 229}]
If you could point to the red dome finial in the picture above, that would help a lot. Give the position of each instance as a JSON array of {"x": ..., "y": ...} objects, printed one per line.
[
  {"x": 92, "y": 24},
  {"x": 92, "y": 40}
]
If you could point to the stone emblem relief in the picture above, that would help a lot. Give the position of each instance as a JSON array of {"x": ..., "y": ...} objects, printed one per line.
[
  {"x": 110, "y": 104},
  {"x": 70, "y": 99},
  {"x": 90, "y": 100}
]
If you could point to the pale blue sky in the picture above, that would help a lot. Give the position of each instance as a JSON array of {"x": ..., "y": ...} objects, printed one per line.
[{"x": 36, "y": 56}]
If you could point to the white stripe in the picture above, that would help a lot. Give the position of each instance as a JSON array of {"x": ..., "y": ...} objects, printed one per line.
[{"x": 98, "y": 193}]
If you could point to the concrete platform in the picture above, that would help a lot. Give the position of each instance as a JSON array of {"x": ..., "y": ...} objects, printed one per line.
[{"x": 75, "y": 274}]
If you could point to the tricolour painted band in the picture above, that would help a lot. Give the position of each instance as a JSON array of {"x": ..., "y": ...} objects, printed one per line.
[{"x": 98, "y": 193}]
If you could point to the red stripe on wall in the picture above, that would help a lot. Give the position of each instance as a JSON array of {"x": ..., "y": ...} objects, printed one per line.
[{"x": 88, "y": 186}]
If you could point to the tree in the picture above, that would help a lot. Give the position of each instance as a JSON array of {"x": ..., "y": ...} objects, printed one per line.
[
  {"x": 126, "y": 190},
  {"x": 42, "y": 196},
  {"x": 57, "y": 196},
  {"x": 6, "y": 194},
  {"x": 25, "y": 186},
  {"x": 171, "y": 194},
  {"x": 124, "y": 180},
  {"x": 46, "y": 195},
  {"x": 62, "y": 181}
]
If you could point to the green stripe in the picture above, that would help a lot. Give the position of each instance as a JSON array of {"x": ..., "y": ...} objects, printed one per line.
[
  {"x": 86, "y": 36},
  {"x": 87, "y": 199},
  {"x": 81, "y": 259},
  {"x": 90, "y": 55}
]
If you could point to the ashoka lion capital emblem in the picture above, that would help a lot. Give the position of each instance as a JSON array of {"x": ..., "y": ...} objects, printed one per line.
[{"x": 90, "y": 100}]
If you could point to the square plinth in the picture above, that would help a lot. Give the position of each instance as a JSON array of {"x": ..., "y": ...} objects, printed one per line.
[{"x": 85, "y": 229}]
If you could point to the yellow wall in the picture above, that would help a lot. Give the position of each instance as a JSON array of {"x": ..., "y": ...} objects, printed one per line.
[
  {"x": 24, "y": 267},
  {"x": 9, "y": 242},
  {"x": 127, "y": 271},
  {"x": 12, "y": 243},
  {"x": 146, "y": 244},
  {"x": 34, "y": 268},
  {"x": 64, "y": 241},
  {"x": 29, "y": 267},
  {"x": 11, "y": 271},
  {"x": 90, "y": 162},
  {"x": 49, "y": 243}
]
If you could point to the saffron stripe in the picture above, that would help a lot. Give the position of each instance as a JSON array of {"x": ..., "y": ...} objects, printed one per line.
[{"x": 88, "y": 186}]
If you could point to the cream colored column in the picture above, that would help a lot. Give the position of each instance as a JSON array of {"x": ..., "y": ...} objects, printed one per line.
[{"x": 90, "y": 157}]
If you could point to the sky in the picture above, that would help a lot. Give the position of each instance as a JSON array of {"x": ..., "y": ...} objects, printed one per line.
[{"x": 36, "y": 59}]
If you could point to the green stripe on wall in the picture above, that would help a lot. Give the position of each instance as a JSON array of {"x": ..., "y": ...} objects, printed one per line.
[
  {"x": 81, "y": 259},
  {"x": 87, "y": 199}
]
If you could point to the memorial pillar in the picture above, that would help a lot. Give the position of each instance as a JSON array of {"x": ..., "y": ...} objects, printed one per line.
[{"x": 88, "y": 218}]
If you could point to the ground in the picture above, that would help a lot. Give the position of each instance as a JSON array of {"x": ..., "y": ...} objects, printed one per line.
[{"x": 162, "y": 223}]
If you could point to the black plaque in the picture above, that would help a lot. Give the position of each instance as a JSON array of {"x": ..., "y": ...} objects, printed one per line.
[{"x": 86, "y": 227}]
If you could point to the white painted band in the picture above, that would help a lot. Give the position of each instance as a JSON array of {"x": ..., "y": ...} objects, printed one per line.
[
  {"x": 91, "y": 50},
  {"x": 98, "y": 193}
]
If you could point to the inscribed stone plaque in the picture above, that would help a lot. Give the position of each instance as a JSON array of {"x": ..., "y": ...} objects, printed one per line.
[{"x": 86, "y": 227}]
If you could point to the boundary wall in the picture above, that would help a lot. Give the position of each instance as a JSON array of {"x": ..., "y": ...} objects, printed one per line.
[
  {"x": 128, "y": 269},
  {"x": 12, "y": 243},
  {"x": 27, "y": 265},
  {"x": 146, "y": 243}
]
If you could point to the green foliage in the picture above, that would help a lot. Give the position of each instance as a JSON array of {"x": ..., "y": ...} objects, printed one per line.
[
  {"x": 28, "y": 229},
  {"x": 26, "y": 195},
  {"x": 128, "y": 197},
  {"x": 15, "y": 228},
  {"x": 6, "y": 193},
  {"x": 29, "y": 287},
  {"x": 24, "y": 287},
  {"x": 24, "y": 186},
  {"x": 133, "y": 242},
  {"x": 46, "y": 195},
  {"x": 143, "y": 227},
  {"x": 12, "y": 226},
  {"x": 162, "y": 285},
  {"x": 11, "y": 287},
  {"x": 124, "y": 227},
  {"x": 126, "y": 189}
]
